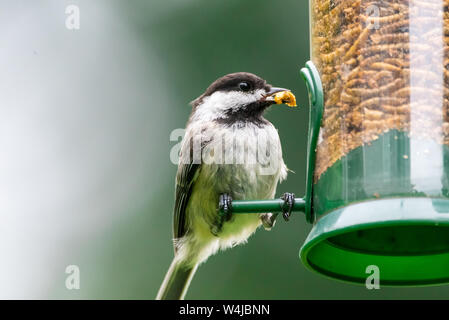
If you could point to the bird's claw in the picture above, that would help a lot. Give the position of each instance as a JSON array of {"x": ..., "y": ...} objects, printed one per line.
[
  {"x": 225, "y": 205},
  {"x": 224, "y": 213},
  {"x": 287, "y": 207}
]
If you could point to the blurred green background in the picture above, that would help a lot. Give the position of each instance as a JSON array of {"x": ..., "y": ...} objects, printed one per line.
[{"x": 85, "y": 120}]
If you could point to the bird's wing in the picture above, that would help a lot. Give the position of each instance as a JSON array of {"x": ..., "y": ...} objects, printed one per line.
[
  {"x": 185, "y": 180},
  {"x": 188, "y": 170}
]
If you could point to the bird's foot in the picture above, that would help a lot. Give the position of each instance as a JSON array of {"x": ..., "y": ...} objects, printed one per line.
[
  {"x": 289, "y": 202},
  {"x": 224, "y": 214},
  {"x": 225, "y": 206}
]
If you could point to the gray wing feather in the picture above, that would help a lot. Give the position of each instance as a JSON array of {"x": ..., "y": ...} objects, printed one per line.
[
  {"x": 184, "y": 185},
  {"x": 188, "y": 171}
]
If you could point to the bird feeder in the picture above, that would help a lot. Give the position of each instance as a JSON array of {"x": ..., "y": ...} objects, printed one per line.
[{"x": 377, "y": 190}]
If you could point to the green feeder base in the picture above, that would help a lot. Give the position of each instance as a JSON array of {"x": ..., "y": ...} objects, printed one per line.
[{"x": 406, "y": 238}]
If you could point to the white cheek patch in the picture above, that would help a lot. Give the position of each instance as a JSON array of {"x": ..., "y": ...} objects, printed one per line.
[{"x": 215, "y": 106}]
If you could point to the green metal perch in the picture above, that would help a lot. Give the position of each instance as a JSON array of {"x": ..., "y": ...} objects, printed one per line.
[{"x": 261, "y": 206}]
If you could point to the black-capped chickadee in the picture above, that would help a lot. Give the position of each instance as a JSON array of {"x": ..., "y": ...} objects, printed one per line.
[{"x": 229, "y": 151}]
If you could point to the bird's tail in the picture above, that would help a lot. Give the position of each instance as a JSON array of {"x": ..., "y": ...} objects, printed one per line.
[{"x": 176, "y": 281}]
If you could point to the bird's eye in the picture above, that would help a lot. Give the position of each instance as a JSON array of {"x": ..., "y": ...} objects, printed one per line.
[{"x": 244, "y": 86}]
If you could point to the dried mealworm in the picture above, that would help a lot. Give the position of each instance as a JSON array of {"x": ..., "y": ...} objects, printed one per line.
[
  {"x": 402, "y": 109},
  {"x": 362, "y": 38},
  {"x": 382, "y": 74},
  {"x": 385, "y": 66},
  {"x": 328, "y": 58},
  {"x": 384, "y": 47},
  {"x": 377, "y": 101},
  {"x": 379, "y": 38},
  {"x": 383, "y": 20},
  {"x": 402, "y": 25},
  {"x": 370, "y": 60}
]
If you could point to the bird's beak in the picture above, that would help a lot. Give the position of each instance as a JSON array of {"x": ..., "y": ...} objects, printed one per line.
[
  {"x": 281, "y": 95},
  {"x": 275, "y": 90}
]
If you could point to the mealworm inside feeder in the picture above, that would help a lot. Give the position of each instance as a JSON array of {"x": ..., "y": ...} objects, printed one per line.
[{"x": 379, "y": 71}]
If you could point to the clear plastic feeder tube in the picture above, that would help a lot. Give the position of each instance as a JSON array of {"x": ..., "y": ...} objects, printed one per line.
[{"x": 384, "y": 68}]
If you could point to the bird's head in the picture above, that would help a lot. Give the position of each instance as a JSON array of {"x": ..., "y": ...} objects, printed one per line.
[{"x": 240, "y": 96}]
